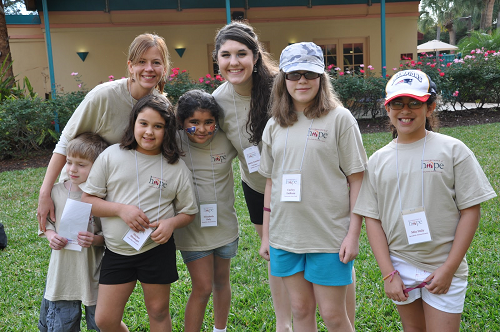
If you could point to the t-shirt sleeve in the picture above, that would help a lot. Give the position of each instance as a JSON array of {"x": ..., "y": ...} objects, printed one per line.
[
  {"x": 471, "y": 185},
  {"x": 266, "y": 156},
  {"x": 97, "y": 179},
  {"x": 86, "y": 118},
  {"x": 185, "y": 200},
  {"x": 352, "y": 155},
  {"x": 367, "y": 201}
]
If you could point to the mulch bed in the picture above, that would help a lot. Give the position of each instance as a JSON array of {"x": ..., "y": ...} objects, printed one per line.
[{"x": 446, "y": 118}]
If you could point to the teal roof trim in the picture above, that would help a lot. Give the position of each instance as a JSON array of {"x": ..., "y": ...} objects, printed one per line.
[
  {"x": 100, "y": 5},
  {"x": 23, "y": 19}
]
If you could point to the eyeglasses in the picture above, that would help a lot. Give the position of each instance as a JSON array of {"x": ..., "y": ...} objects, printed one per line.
[
  {"x": 399, "y": 105},
  {"x": 295, "y": 76}
]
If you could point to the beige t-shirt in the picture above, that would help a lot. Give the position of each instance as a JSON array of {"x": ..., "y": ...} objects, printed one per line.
[
  {"x": 114, "y": 178},
  {"x": 211, "y": 165},
  {"x": 453, "y": 181},
  {"x": 105, "y": 111},
  {"x": 320, "y": 221},
  {"x": 73, "y": 275},
  {"x": 234, "y": 123}
]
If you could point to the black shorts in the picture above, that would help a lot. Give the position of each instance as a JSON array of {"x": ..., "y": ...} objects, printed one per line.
[
  {"x": 155, "y": 266},
  {"x": 255, "y": 204}
]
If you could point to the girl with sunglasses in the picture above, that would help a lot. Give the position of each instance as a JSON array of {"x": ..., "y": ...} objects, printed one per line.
[
  {"x": 313, "y": 159},
  {"x": 421, "y": 199}
]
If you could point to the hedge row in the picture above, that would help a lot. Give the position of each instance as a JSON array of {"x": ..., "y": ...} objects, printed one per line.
[{"x": 29, "y": 124}]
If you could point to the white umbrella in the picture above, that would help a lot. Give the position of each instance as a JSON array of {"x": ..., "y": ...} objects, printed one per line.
[{"x": 435, "y": 46}]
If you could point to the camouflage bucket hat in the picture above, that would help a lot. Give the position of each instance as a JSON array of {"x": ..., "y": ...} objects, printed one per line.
[{"x": 302, "y": 56}]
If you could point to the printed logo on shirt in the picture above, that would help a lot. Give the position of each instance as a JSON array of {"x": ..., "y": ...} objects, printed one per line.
[
  {"x": 219, "y": 158},
  {"x": 433, "y": 165},
  {"x": 317, "y": 135},
  {"x": 155, "y": 182}
]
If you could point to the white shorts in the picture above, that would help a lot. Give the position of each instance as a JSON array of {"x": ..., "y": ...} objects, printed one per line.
[{"x": 451, "y": 302}]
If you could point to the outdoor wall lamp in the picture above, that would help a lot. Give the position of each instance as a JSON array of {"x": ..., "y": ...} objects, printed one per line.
[
  {"x": 82, "y": 55},
  {"x": 180, "y": 51}
]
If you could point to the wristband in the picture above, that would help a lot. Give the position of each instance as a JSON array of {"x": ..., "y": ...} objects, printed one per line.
[
  {"x": 267, "y": 209},
  {"x": 391, "y": 275}
]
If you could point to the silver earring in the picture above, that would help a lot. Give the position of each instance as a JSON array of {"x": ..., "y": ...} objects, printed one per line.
[{"x": 255, "y": 68}]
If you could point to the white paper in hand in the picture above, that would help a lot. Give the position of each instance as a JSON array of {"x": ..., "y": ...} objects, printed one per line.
[{"x": 74, "y": 219}]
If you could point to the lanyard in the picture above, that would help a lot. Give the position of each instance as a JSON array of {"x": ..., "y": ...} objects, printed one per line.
[
  {"x": 159, "y": 186},
  {"x": 194, "y": 174},
  {"x": 305, "y": 146},
  {"x": 397, "y": 172}
]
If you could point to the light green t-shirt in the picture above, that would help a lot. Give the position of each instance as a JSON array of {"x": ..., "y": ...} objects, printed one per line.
[
  {"x": 211, "y": 166},
  {"x": 115, "y": 178},
  {"x": 320, "y": 221},
  {"x": 453, "y": 181},
  {"x": 73, "y": 275},
  {"x": 234, "y": 124}
]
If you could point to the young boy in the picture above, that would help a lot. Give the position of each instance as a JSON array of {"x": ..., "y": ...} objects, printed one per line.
[{"x": 73, "y": 276}]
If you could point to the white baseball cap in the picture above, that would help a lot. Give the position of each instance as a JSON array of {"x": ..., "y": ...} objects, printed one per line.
[{"x": 410, "y": 83}]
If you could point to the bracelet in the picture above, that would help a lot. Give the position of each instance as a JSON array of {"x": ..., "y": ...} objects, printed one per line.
[
  {"x": 391, "y": 275},
  {"x": 267, "y": 209}
]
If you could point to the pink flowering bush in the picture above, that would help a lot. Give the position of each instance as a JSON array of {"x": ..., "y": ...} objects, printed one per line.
[
  {"x": 179, "y": 82},
  {"x": 474, "y": 79}
]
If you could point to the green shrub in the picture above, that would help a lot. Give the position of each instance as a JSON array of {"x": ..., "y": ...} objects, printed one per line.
[
  {"x": 29, "y": 124},
  {"x": 360, "y": 91}
]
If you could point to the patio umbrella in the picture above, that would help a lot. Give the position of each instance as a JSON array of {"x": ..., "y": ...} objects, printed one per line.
[{"x": 435, "y": 46}]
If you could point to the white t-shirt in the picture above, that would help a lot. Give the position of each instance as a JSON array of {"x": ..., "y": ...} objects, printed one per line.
[
  {"x": 234, "y": 123},
  {"x": 320, "y": 222},
  {"x": 453, "y": 181},
  {"x": 73, "y": 275},
  {"x": 211, "y": 165},
  {"x": 114, "y": 178}
]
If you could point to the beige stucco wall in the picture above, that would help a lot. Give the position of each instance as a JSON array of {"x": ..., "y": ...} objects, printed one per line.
[{"x": 107, "y": 36}]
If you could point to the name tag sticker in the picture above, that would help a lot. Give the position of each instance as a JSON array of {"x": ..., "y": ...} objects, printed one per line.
[
  {"x": 208, "y": 215},
  {"x": 137, "y": 239},
  {"x": 252, "y": 158},
  {"x": 290, "y": 188},
  {"x": 417, "y": 228}
]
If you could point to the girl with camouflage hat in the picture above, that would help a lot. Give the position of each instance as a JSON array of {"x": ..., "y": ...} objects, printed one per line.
[{"x": 313, "y": 159}]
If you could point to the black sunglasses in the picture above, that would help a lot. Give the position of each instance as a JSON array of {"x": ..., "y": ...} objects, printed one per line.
[{"x": 295, "y": 76}]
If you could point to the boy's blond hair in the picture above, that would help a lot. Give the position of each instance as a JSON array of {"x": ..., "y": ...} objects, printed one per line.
[{"x": 87, "y": 146}]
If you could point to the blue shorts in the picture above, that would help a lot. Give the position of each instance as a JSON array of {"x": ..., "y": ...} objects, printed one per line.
[
  {"x": 227, "y": 251},
  {"x": 65, "y": 316},
  {"x": 324, "y": 269}
]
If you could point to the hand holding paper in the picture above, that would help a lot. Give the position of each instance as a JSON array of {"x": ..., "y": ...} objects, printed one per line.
[{"x": 134, "y": 218}]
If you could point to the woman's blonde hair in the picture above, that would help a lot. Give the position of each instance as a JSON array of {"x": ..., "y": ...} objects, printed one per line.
[
  {"x": 144, "y": 42},
  {"x": 283, "y": 111}
]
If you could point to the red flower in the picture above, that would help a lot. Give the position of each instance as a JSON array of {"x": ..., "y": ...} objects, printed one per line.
[
  {"x": 448, "y": 64},
  {"x": 441, "y": 74},
  {"x": 433, "y": 65},
  {"x": 208, "y": 76},
  {"x": 361, "y": 71},
  {"x": 184, "y": 70},
  {"x": 419, "y": 63}
]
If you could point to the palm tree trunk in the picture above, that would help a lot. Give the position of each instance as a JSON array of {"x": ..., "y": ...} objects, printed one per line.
[
  {"x": 487, "y": 15},
  {"x": 4, "y": 43}
]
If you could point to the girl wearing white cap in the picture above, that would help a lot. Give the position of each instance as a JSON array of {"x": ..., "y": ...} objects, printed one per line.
[
  {"x": 421, "y": 200},
  {"x": 313, "y": 159}
]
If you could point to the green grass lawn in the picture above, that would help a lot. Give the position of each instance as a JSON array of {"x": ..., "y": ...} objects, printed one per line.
[{"x": 24, "y": 262}]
